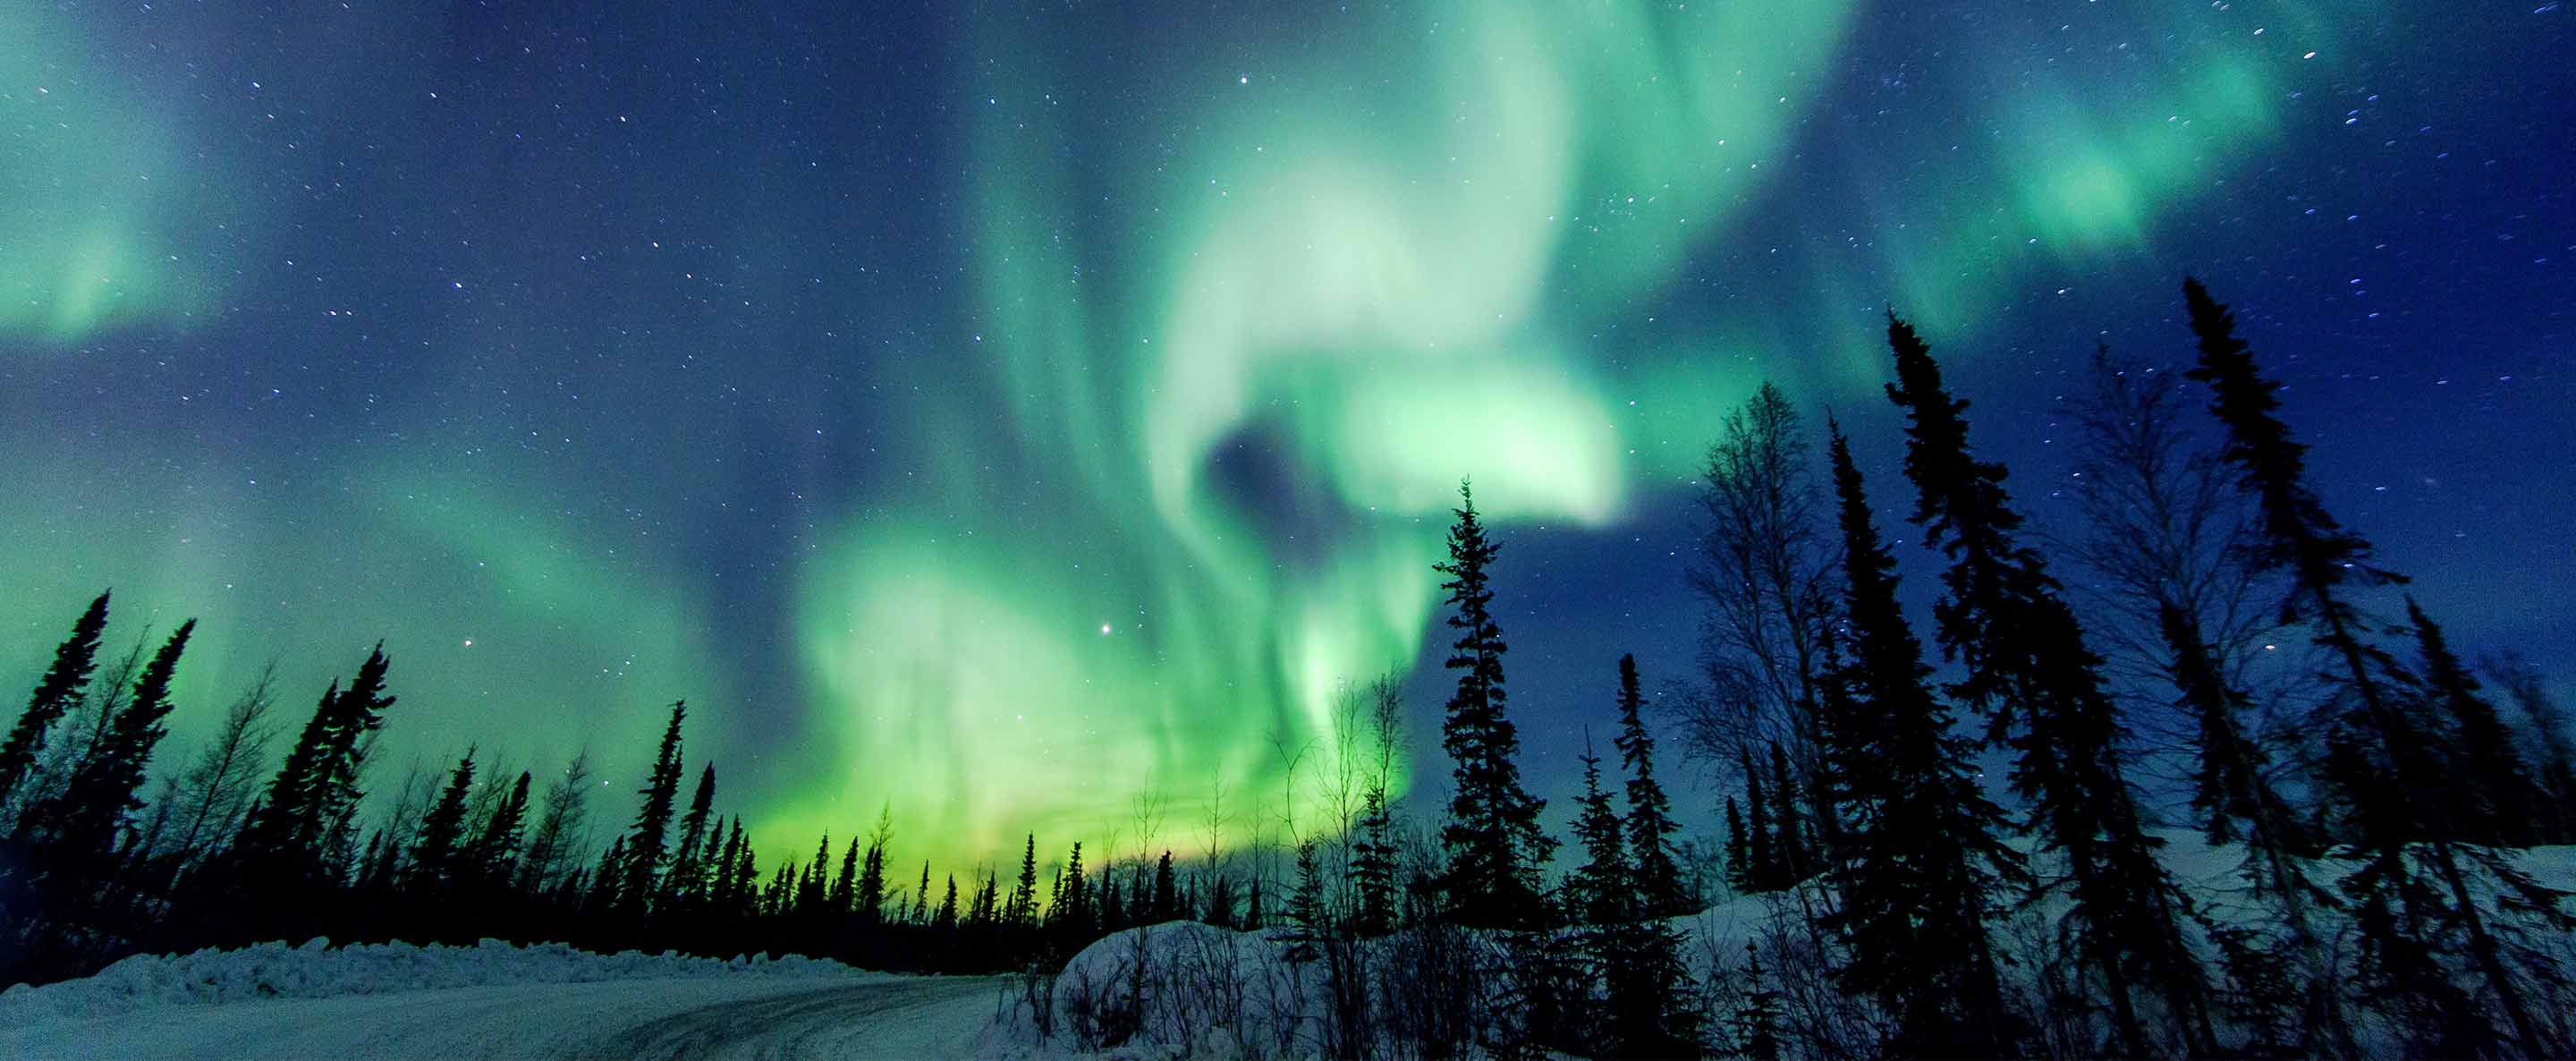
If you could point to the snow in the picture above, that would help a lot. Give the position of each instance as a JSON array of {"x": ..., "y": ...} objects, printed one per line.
[
  {"x": 318, "y": 970},
  {"x": 491, "y": 1000}
]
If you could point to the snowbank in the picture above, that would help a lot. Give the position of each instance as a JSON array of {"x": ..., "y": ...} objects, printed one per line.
[
  {"x": 1201, "y": 987},
  {"x": 1188, "y": 989},
  {"x": 317, "y": 970}
]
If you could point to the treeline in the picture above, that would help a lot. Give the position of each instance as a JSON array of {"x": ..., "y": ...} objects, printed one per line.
[
  {"x": 230, "y": 851},
  {"x": 2230, "y": 656}
]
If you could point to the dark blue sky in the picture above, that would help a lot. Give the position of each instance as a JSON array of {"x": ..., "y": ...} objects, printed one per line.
[{"x": 962, "y": 408}]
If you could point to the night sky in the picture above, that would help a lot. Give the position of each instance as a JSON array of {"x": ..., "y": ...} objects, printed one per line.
[{"x": 1011, "y": 413}]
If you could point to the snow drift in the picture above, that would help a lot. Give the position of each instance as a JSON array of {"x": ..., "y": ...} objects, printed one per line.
[{"x": 318, "y": 970}]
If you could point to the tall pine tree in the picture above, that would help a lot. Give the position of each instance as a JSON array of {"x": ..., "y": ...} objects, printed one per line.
[
  {"x": 1649, "y": 824},
  {"x": 2004, "y": 619},
  {"x": 1495, "y": 846},
  {"x": 433, "y": 855},
  {"x": 2390, "y": 762},
  {"x": 688, "y": 864},
  {"x": 644, "y": 843},
  {"x": 90, "y": 815},
  {"x": 1920, "y": 860},
  {"x": 316, "y": 788},
  {"x": 55, "y": 694}
]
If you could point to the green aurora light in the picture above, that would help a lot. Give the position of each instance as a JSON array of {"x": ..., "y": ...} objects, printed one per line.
[{"x": 1303, "y": 236}]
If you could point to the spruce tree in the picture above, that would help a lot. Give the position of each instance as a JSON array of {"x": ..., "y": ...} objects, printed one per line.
[
  {"x": 1649, "y": 826},
  {"x": 2495, "y": 799},
  {"x": 1220, "y": 903},
  {"x": 720, "y": 890},
  {"x": 1073, "y": 911},
  {"x": 644, "y": 844},
  {"x": 1602, "y": 890},
  {"x": 2385, "y": 754},
  {"x": 90, "y": 815},
  {"x": 434, "y": 852},
  {"x": 814, "y": 884},
  {"x": 1495, "y": 846},
  {"x": 493, "y": 855},
  {"x": 603, "y": 880},
  {"x": 1306, "y": 899},
  {"x": 1021, "y": 913},
  {"x": 2553, "y": 748},
  {"x": 1372, "y": 865},
  {"x": 1757, "y": 1022},
  {"x": 1601, "y": 898},
  {"x": 2003, "y": 618},
  {"x": 55, "y": 694},
  {"x": 1167, "y": 902},
  {"x": 1921, "y": 860},
  {"x": 844, "y": 896},
  {"x": 869, "y": 902},
  {"x": 289, "y": 838},
  {"x": 688, "y": 864}
]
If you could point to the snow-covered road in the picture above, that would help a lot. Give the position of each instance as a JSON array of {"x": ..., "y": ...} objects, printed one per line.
[{"x": 765, "y": 1017}]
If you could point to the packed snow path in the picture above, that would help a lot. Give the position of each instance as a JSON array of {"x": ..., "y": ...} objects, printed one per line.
[{"x": 765, "y": 1017}]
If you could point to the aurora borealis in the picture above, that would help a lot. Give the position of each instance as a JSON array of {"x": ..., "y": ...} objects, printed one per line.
[{"x": 1005, "y": 415}]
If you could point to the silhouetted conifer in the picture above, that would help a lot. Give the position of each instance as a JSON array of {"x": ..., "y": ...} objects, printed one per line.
[
  {"x": 289, "y": 839},
  {"x": 1648, "y": 826},
  {"x": 494, "y": 853},
  {"x": 2390, "y": 759},
  {"x": 1921, "y": 860},
  {"x": 603, "y": 880},
  {"x": 1601, "y": 891},
  {"x": 1757, "y": 1022},
  {"x": 434, "y": 852},
  {"x": 2491, "y": 788},
  {"x": 644, "y": 845},
  {"x": 1372, "y": 865},
  {"x": 2002, "y": 617},
  {"x": 1220, "y": 909},
  {"x": 1167, "y": 900},
  {"x": 872, "y": 869},
  {"x": 813, "y": 895},
  {"x": 55, "y": 694},
  {"x": 1306, "y": 899},
  {"x": 1021, "y": 912},
  {"x": 1495, "y": 846},
  {"x": 844, "y": 896},
  {"x": 688, "y": 864},
  {"x": 1071, "y": 912},
  {"x": 89, "y": 817}
]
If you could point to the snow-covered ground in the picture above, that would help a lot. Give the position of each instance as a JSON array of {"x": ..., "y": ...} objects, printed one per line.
[
  {"x": 1186, "y": 989},
  {"x": 494, "y": 1000}
]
